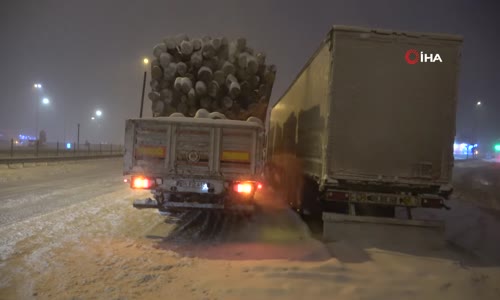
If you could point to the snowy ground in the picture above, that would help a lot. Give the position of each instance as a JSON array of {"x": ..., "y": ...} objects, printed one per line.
[{"x": 69, "y": 232}]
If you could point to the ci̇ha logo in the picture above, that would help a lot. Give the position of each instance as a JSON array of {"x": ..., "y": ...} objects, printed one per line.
[{"x": 413, "y": 56}]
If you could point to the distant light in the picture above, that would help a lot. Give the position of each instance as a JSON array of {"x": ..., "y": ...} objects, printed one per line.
[
  {"x": 98, "y": 113},
  {"x": 45, "y": 101},
  {"x": 146, "y": 61},
  {"x": 37, "y": 86},
  {"x": 497, "y": 147},
  {"x": 478, "y": 103},
  {"x": 68, "y": 145},
  {"x": 93, "y": 118}
]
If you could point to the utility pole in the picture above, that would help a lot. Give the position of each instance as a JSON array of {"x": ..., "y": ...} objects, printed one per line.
[
  {"x": 142, "y": 97},
  {"x": 145, "y": 62}
]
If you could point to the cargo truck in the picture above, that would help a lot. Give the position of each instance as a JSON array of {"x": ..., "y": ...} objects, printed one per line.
[
  {"x": 205, "y": 162},
  {"x": 371, "y": 118}
]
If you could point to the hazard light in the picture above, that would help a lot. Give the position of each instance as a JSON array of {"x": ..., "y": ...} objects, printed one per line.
[{"x": 142, "y": 183}]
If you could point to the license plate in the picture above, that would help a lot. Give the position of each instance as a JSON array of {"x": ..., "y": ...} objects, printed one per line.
[{"x": 192, "y": 184}]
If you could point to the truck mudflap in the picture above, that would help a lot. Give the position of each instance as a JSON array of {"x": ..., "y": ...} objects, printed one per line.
[
  {"x": 376, "y": 232},
  {"x": 151, "y": 203}
]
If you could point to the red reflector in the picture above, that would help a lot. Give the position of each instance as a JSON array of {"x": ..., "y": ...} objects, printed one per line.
[
  {"x": 337, "y": 195},
  {"x": 141, "y": 183},
  {"x": 259, "y": 186},
  {"x": 432, "y": 202}
]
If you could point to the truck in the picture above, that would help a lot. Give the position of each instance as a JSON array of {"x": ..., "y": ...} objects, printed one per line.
[
  {"x": 366, "y": 127},
  {"x": 371, "y": 119},
  {"x": 194, "y": 163}
]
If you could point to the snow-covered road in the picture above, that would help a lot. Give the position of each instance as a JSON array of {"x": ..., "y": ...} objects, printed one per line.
[{"x": 70, "y": 232}]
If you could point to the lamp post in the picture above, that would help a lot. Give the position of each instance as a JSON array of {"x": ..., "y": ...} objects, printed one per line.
[
  {"x": 37, "y": 86},
  {"x": 477, "y": 111},
  {"x": 145, "y": 62},
  {"x": 97, "y": 117}
]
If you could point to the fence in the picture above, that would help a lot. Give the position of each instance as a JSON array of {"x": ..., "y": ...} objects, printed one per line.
[{"x": 56, "y": 149}]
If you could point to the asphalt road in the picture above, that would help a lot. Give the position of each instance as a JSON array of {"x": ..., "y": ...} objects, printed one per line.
[{"x": 29, "y": 192}]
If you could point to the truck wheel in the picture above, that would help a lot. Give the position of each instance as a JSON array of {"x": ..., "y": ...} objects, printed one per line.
[{"x": 310, "y": 205}]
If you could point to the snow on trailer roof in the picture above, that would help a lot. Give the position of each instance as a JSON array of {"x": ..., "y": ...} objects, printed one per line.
[{"x": 438, "y": 36}]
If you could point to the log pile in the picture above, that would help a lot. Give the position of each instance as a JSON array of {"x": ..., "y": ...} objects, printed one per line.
[{"x": 216, "y": 74}]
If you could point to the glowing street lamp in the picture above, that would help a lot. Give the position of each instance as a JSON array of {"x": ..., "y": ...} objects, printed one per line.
[
  {"x": 478, "y": 103},
  {"x": 45, "y": 101},
  {"x": 145, "y": 61},
  {"x": 93, "y": 118},
  {"x": 98, "y": 113}
]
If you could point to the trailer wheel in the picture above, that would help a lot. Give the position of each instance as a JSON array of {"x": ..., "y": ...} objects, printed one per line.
[{"x": 309, "y": 203}]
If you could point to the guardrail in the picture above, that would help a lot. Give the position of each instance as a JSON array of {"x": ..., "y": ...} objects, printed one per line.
[
  {"x": 12, "y": 149},
  {"x": 36, "y": 160}
]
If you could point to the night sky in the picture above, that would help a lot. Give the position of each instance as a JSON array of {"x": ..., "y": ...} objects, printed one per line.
[{"x": 88, "y": 54}]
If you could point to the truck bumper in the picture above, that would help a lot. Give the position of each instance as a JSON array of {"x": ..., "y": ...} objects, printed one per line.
[{"x": 151, "y": 203}]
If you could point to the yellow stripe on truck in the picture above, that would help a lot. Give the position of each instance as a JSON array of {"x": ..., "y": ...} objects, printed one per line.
[
  {"x": 237, "y": 156},
  {"x": 150, "y": 151}
]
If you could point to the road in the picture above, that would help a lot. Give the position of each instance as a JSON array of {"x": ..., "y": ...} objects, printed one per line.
[{"x": 69, "y": 232}]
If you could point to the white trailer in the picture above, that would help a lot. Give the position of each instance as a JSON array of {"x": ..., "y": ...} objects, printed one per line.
[{"x": 371, "y": 117}]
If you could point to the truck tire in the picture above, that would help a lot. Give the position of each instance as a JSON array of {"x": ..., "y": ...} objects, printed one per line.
[{"x": 310, "y": 205}]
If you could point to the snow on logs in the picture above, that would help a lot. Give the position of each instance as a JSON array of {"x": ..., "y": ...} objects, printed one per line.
[{"x": 215, "y": 74}]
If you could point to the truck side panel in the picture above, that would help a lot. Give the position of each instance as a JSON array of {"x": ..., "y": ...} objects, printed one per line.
[
  {"x": 298, "y": 120},
  {"x": 391, "y": 120}
]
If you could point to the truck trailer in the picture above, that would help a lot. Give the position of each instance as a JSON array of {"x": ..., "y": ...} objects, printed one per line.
[{"x": 371, "y": 119}]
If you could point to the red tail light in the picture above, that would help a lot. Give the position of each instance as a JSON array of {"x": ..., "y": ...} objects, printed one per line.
[
  {"x": 142, "y": 183},
  {"x": 244, "y": 187}
]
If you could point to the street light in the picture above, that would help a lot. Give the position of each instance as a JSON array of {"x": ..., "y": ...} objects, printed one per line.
[
  {"x": 145, "y": 62},
  {"x": 93, "y": 118},
  {"x": 478, "y": 103},
  {"x": 38, "y": 86},
  {"x": 98, "y": 113}
]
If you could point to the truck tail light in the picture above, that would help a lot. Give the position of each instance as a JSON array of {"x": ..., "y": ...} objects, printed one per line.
[
  {"x": 142, "y": 183},
  {"x": 246, "y": 187},
  {"x": 243, "y": 187}
]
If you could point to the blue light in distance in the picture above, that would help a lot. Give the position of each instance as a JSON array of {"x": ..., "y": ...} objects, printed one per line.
[{"x": 68, "y": 145}]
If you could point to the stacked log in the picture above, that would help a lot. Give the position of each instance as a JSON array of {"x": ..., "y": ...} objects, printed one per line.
[{"x": 216, "y": 74}]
